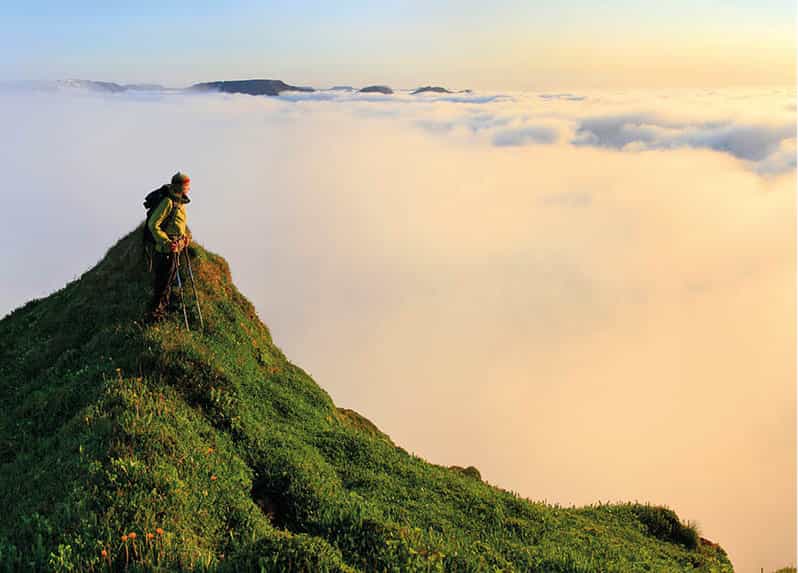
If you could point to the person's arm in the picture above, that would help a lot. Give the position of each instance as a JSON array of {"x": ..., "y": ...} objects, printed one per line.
[{"x": 154, "y": 223}]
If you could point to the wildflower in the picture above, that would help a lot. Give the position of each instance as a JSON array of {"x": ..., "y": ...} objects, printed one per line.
[
  {"x": 150, "y": 535},
  {"x": 124, "y": 539},
  {"x": 210, "y": 451},
  {"x": 132, "y": 535},
  {"x": 159, "y": 531},
  {"x": 213, "y": 478},
  {"x": 104, "y": 553}
]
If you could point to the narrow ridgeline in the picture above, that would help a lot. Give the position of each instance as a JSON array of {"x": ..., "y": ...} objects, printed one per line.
[{"x": 125, "y": 446}]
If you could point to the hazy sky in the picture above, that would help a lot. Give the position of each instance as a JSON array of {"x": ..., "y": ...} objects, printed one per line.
[
  {"x": 503, "y": 44},
  {"x": 588, "y": 295}
]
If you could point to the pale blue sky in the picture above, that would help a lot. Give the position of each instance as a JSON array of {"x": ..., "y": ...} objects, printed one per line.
[{"x": 463, "y": 43}]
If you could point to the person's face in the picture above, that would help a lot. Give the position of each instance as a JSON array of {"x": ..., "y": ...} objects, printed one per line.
[{"x": 185, "y": 188}]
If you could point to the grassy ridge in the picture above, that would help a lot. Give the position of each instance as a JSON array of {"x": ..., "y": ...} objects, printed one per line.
[{"x": 153, "y": 448}]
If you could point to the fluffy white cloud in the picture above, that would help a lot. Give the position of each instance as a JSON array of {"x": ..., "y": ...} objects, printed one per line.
[
  {"x": 524, "y": 135},
  {"x": 744, "y": 141},
  {"x": 736, "y": 123}
]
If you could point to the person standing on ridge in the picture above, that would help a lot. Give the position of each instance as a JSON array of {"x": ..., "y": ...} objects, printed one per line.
[{"x": 167, "y": 225}]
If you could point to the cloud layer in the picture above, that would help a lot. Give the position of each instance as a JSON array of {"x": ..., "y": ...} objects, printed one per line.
[
  {"x": 762, "y": 137},
  {"x": 588, "y": 299},
  {"x": 754, "y": 143}
]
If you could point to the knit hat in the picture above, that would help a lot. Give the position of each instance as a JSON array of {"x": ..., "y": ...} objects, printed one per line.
[{"x": 180, "y": 178}]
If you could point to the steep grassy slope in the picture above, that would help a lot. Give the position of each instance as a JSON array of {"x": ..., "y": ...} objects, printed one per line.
[{"x": 154, "y": 448}]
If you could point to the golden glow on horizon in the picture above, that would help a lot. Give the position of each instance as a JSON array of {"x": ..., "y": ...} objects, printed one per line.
[{"x": 634, "y": 59}]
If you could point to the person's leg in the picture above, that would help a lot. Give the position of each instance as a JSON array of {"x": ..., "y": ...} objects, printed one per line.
[{"x": 165, "y": 268}]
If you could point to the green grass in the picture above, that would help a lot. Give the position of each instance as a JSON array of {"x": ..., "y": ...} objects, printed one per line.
[{"x": 219, "y": 454}]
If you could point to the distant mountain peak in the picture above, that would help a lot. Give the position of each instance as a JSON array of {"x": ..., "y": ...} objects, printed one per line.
[
  {"x": 376, "y": 89},
  {"x": 250, "y": 87},
  {"x": 433, "y": 89},
  {"x": 109, "y": 87}
]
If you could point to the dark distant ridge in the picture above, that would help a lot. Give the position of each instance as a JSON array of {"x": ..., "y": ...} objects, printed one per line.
[
  {"x": 376, "y": 89},
  {"x": 433, "y": 89},
  {"x": 250, "y": 87},
  {"x": 439, "y": 90}
]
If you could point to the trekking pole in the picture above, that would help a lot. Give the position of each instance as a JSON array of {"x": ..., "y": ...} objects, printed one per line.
[
  {"x": 194, "y": 288},
  {"x": 180, "y": 286}
]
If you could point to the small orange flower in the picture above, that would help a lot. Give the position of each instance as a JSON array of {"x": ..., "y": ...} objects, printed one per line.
[
  {"x": 159, "y": 531},
  {"x": 150, "y": 536},
  {"x": 132, "y": 535},
  {"x": 210, "y": 451},
  {"x": 104, "y": 553},
  {"x": 124, "y": 539},
  {"x": 213, "y": 478}
]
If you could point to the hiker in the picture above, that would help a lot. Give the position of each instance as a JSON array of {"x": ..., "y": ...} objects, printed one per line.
[{"x": 167, "y": 226}]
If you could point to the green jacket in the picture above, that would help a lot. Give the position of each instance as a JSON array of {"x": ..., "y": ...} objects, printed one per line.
[{"x": 168, "y": 221}]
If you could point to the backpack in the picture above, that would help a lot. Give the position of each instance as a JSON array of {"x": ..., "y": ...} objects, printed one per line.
[{"x": 151, "y": 201}]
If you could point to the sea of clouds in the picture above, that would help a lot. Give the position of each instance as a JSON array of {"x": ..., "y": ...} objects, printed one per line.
[{"x": 589, "y": 296}]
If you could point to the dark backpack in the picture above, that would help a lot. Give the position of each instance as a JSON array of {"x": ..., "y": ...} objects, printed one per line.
[{"x": 151, "y": 201}]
